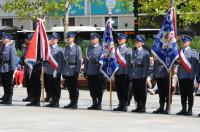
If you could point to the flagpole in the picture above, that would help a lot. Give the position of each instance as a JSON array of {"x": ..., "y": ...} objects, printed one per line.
[
  {"x": 42, "y": 76},
  {"x": 110, "y": 83},
  {"x": 169, "y": 92},
  {"x": 111, "y": 94},
  {"x": 170, "y": 72}
]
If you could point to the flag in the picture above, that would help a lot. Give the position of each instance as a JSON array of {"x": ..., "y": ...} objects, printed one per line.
[
  {"x": 165, "y": 47},
  {"x": 108, "y": 59},
  {"x": 45, "y": 53}
]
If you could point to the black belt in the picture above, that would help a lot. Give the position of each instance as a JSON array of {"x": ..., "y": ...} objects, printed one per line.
[
  {"x": 71, "y": 63},
  {"x": 137, "y": 65}
]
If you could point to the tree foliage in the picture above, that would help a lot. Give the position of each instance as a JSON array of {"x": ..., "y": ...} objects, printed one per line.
[
  {"x": 33, "y": 8},
  {"x": 188, "y": 11}
]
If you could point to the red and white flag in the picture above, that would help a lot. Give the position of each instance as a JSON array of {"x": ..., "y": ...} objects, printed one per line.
[
  {"x": 184, "y": 61},
  {"x": 45, "y": 53}
]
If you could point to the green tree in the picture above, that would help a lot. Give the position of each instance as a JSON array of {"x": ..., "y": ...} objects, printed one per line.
[
  {"x": 188, "y": 11},
  {"x": 40, "y": 8}
]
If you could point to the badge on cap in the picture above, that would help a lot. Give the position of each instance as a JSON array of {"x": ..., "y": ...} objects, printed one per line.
[
  {"x": 140, "y": 39},
  {"x": 56, "y": 36},
  {"x": 122, "y": 36},
  {"x": 7, "y": 36},
  {"x": 94, "y": 35},
  {"x": 71, "y": 35},
  {"x": 186, "y": 38}
]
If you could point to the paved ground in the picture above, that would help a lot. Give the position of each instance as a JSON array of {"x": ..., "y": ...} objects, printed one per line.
[{"x": 19, "y": 118}]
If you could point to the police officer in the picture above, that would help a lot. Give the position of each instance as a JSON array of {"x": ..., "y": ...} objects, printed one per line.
[
  {"x": 8, "y": 57},
  {"x": 186, "y": 78},
  {"x": 35, "y": 81},
  {"x": 122, "y": 75},
  {"x": 26, "y": 68},
  {"x": 48, "y": 70},
  {"x": 92, "y": 71},
  {"x": 161, "y": 76},
  {"x": 140, "y": 66},
  {"x": 54, "y": 76},
  {"x": 71, "y": 69}
]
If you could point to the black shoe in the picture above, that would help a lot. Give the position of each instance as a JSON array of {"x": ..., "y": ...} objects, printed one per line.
[
  {"x": 33, "y": 104},
  {"x": 189, "y": 113},
  {"x": 119, "y": 108},
  {"x": 136, "y": 110},
  {"x": 48, "y": 105},
  {"x": 28, "y": 99},
  {"x": 6, "y": 102},
  {"x": 36, "y": 104},
  {"x": 54, "y": 103},
  {"x": 98, "y": 107},
  {"x": 124, "y": 108},
  {"x": 74, "y": 106},
  {"x": 29, "y": 104},
  {"x": 69, "y": 105},
  {"x": 92, "y": 107},
  {"x": 142, "y": 110},
  {"x": 158, "y": 111},
  {"x": 182, "y": 112},
  {"x": 198, "y": 115},
  {"x": 2, "y": 98},
  {"x": 165, "y": 112}
]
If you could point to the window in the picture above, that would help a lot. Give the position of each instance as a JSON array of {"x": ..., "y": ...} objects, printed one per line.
[
  {"x": 115, "y": 24},
  {"x": 71, "y": 21},
  {"x": 7, "y": 22}
]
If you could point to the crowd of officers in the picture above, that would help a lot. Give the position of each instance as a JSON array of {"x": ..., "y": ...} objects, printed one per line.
[{"x": 69, "y": 61}]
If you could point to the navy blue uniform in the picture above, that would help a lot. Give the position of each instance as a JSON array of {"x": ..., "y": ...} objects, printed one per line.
[
  {"x": 186, "y": 80},
  {"x": 139, "y": 72},
  {"x": 70, "y": 71},
  {"x": 161, "y": 75},
  {"x": 122, "y": 79},
  {"x": 53, "y": 81},
  {"x": 8, "y": 57}
]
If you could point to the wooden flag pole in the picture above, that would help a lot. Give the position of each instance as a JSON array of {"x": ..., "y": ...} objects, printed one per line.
[
  {"x": 170, "y": 93},
  {"x": 170, "y": 72},
  {"x": 42, "y": 76},
  {"x": 111, "y": 94}
]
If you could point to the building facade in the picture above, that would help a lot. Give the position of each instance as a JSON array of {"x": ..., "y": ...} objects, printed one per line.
[{"x": 90, "y": 14}]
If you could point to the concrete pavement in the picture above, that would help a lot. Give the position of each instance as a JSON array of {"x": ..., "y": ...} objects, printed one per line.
[{"x": 20, "y": 118}]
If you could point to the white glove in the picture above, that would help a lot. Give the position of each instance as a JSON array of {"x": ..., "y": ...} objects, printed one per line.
[{"x": 55, "y": 74}]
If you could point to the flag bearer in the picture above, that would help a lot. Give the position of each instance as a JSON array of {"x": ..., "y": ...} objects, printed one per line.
[
  {"x": 140, "y": 64},
  {"x": 122, "y": 75},
  {"x": 187, "y": 71},
  {"x": 92, "y": 71},
  {"x": 71, "y": 69},
  {"x": 8, "y": 57},
  {"x": 54, "y": 76},
  {"x": 35, "y": 81},
  {"x": 162, "y": 78}
]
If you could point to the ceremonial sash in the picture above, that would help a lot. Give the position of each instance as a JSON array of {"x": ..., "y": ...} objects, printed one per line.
[
  {"x": 121, "y": 60},
  {"x": 184, "y": 61}
]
